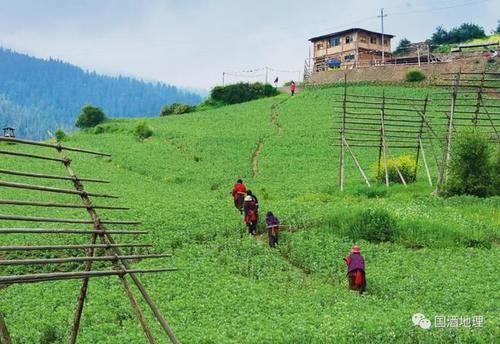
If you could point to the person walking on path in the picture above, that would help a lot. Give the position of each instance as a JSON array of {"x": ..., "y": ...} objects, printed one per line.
[
  {"x": 272, "y": 224},
  {"x": 356, "y": 270},
  {"x": 250, "y": 218},
  {"x": 292, "y": 87},
  {"x": 251, "y": 194},
  {"x": 239, "y": 191}
]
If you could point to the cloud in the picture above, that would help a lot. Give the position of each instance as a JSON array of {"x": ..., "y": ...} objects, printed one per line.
[{"x": 191, "y": 43}]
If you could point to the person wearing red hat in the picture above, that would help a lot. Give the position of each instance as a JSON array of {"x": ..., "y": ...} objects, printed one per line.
[{"x": 356, "y": 270}]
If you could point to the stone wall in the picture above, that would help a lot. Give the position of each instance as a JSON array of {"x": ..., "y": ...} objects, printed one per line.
[{"x": 396, "y": 73}]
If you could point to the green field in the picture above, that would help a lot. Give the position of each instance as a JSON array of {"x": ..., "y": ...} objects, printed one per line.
[{"x": 232, "y": 288}]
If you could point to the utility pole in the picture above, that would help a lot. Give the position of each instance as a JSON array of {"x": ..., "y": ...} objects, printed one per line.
[
  {"x": 381, "y": 16},
  {"x": 223, "y": 77},
  {"x": 267, "y": 72}
]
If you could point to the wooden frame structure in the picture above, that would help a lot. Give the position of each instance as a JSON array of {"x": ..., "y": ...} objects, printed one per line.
[
  {"x": 481, "y": 90},
  {"x": 383, "y": 122},
  {"x": 112, "y": 250}
]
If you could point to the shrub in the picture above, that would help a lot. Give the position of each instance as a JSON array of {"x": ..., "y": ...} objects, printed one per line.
[
  {"x": 176, "y": 109},
  {"x": 373, "y": 225},
  {"x": 209, "y": 104},
  {"x": 462, "y": 33},
  {"x": 371, "y": 192},
  {"x": 90, "y": 117},
  {"x": 242, "y": 92},
  {"x": 402, "y": 47},
  {"x": 496, "y": 173},
  {"x": 99, "y": 130},
  {"x": 60, "y": 135},
  {"x": 50, "y": 334},
  {"x": 143, "y": 131},
  {"x": 414, "y": 75},
  {"x": 470, "y": 170},
  {"x": 406, "y": 164}
]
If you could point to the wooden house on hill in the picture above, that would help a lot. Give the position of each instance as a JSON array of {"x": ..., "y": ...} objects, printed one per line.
[{"x": 350, "y": 47}]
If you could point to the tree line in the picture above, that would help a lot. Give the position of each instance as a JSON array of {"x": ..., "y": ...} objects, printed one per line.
[
  {"x": 40, "y": 95},
  {"x": 458, "y": 34}
]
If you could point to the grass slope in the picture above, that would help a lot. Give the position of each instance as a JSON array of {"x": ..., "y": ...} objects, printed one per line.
[{"x": 233, "y": 289}]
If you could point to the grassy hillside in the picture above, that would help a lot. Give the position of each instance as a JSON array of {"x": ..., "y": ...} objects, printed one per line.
[{"x": 234, "y": 289}]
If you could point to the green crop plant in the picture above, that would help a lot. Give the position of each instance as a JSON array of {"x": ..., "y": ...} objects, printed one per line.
[{"x": 230, "y": 288}]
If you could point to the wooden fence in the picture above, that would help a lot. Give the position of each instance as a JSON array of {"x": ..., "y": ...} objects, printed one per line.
[
  {"x": 388, "y": 123},
  {"x": 113, "y": 253}
]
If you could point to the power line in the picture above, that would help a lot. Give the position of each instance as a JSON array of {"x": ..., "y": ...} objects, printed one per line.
[
  {"x": 440, "y": 8},
  {"x": 403, "y": 13}
]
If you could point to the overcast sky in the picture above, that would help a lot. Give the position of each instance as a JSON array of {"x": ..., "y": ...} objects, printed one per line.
[{"x": 190, "y": 43}]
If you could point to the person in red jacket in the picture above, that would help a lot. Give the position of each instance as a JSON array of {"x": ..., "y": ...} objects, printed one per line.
[
  {"x": 292, "y": 87},
  {"x": 239, "y": 192},
  {"x": 356, "y": 270}
]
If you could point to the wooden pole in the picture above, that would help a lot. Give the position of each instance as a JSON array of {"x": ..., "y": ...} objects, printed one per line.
[
  {"x": 58, "y": 205},
  {"x": 384, "y": 144},
  {"x": 45, "y": 261},
  {"x": 49, "y": 176},
  {"x": 64, "y": 231},
  {"x": 400, "y": 175},
  {"x": 152, "y": 305},
  {"x": 357, "y": 163},
  {"x": 60, "y": 220},
  {"x": 98, "y": 225},
  {"x": 342, "y": 133},
  {"x": 4, "y": 332},
  {"x": 418, "y": 54},
  {"x": 138, "y": 311},
  {"x": 51, "y": 189},
  {"x": 492, "y": 124},
  {"x": 34, "y": 156},
  {"x": 425, "y": 164},
  {"x": 67, "y": 247},
  {"x": 56, "y": 146},
  {"x": 447, "y": 151},
  {"x": 57, "y": 276},
  {"x": 422, "y": 118},
  {"x": 475, "y": 118}
]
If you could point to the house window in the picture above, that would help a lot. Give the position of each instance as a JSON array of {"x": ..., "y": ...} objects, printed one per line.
[
  {"x": 386, "y": 42},
  {"x": 348, "y": 39},
  {"x": 362, "y": 39},
  {"x": 349, "y": 57},
  {"x": 334, "y": 42},
  {"x": 373, "y": 40},
  {"x": 319, "y": 46}
]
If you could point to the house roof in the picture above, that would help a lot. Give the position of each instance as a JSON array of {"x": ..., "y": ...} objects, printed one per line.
[{"x": 354, "y": 29}]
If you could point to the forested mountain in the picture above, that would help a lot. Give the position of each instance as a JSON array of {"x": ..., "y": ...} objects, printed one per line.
[{"x": 38, "y": 95}]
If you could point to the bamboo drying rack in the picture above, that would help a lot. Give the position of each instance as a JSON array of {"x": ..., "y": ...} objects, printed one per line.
[{"x": 113, "y": 253}]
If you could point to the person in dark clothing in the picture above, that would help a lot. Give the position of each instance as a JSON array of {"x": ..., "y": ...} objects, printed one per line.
[
  {"x": 250, "y": 218},
  {"x": 250, "y": 193},
  {"x": 273, "y": 225},
  {"x": 293, "y": 87},
  {"x": 238, "y": 193},
  {"x": 356, "y": 270}
]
